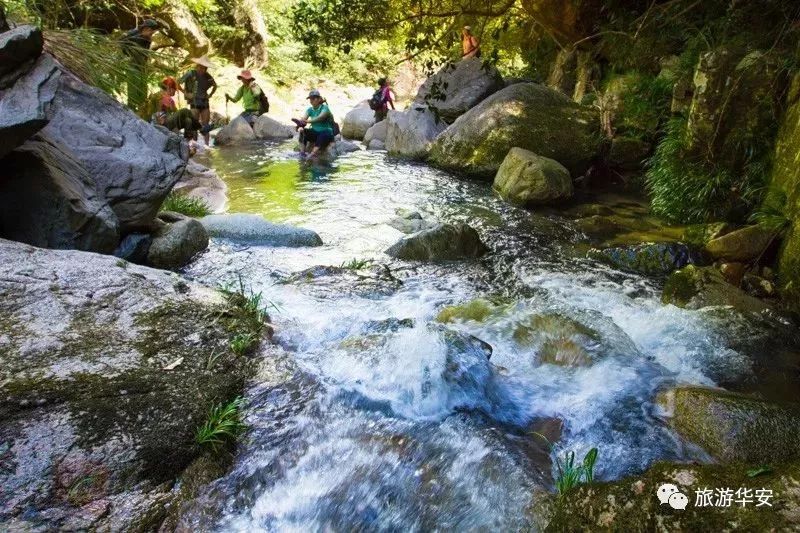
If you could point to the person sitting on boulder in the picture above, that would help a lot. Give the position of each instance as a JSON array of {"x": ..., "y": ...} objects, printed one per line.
[
  {"x": 199, "y": 86},
  {"x": 321, "y": 132},
  {"x": 168, "y": 114},
  {"x": 252, "y": 97},
  {"x": 470, "y": 45},
  {"x": 381, "y": 100}
]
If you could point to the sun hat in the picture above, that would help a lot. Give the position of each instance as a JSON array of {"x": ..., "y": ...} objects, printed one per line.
[
  {"x": 245, "y": 75},
  {"x": 203, "y": 60},
  {"x": 313, "y": 93},
  {"x": 149, "y": 23},
  {"x": 468, "y": 28}
]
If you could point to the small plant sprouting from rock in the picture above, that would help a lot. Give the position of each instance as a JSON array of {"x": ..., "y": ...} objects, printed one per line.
[
  {"x": 242, "y": 342},
  {"x": 223, "y": 426},
  {"x": 568, "y": 474},
  {"x": 185, "y": 205},
  {"x": 356, "y": 264}
]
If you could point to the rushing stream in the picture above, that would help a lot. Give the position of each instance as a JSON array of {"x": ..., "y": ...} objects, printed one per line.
[{"x": 365, "y": 420}]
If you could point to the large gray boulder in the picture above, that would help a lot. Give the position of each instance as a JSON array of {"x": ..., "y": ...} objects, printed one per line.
[
  {"x": 133, "y": 164},
  {"x": 24, "y": 103},
  {"x": 524, "y": 115},
  {"x": 108, "y": 370},
  {"x": 357, "y": 121},
  {"x": 48, "y": 199},
  {"x": 237, "y": 131},
  {"x": 410, "y": 133},
  {"x": 440, "y": 242},
  {"x": 458, "y": 87},
  {"x": 19, "y": 45},
  {"x": 177, "y": 242},
  {"x": 527, "y": 179},
  {"x": 742, "y": 245},
  {"x": 376, "y": 132},
  {"x": 268, "y": 128},
  {"x": 254, "y": 229}
]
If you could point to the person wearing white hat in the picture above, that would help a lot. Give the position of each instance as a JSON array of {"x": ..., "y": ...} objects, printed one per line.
[
  {"x": 199, "y": 86},
  {"x": 470, "y": 45}
]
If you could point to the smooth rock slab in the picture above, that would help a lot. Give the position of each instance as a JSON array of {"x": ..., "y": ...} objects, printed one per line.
[
  {"x": 411, "y": 132},
  {"x": 742, "y": 245},
  {"x": 376, "y": 132},
  {"x": 650, "y": 259},
  {"x": 255, "y": 229},
  {"x": 238, "y": 131},
  {"x": 441, "y": 242},
  {"x": 357, "y": 122}
]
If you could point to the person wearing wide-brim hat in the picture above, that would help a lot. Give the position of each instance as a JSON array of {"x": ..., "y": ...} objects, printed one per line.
[
  {"x": 252, "y": 96},
  {"x": 199, "y": 86},
  {"x": 319, "y": 119}
]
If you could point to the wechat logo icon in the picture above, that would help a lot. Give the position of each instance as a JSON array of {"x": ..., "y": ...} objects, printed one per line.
[{"x": 669, "y": 494}]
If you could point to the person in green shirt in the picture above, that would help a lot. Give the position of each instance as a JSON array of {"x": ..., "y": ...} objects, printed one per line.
[
  {"x": 319, "y": 119},
  {"x": 250, "y": 95}
]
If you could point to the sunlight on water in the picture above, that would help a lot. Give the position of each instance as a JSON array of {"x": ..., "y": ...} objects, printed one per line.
[{"x": 387, "y": 420}]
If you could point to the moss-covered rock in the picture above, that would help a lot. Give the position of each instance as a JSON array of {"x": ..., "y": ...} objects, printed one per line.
[
  {"x": 477, "y": 310},
  {"x": 104, "y": 386},
  {"x": 557, "y": 339},
  {"x": 527, "y": 179},
  {"x": 695, "y": 287},
  {"x": 525, "y": 115},
  {"x": 630, "y": 504},
  {"x": 650, "y": 259},
  {"x": 743, "y": 245},
  {"x": 733, "y": 427},
  {"x": 441, "y": 242}
]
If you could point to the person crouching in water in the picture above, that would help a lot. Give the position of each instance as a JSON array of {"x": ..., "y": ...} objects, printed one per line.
[
  {"x": 168, "y": 114},
  {"x": 199, "y": 86},
  {"x": 250, "y": 95},
  {"x": 320, "y": 119}
]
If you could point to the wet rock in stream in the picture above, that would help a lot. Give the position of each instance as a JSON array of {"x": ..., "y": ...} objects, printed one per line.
[
  {"x": 336, "y": 281},
  {"x": 105, "y": 378},
  {"x": 441, "y": 242}
]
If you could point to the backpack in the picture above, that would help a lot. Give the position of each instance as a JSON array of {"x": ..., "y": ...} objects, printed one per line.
[
  {"x": 263, "y": 102},
  {"x": 376, "y": 102}
]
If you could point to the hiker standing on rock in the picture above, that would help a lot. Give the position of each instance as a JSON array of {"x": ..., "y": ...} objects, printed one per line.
[
  {"x": 470, "y": 45},
  {"x": 254, "y": 101},
  {"x": 381, "y": 100},
  {"x": 136, "y": 45},
  {"x": 199, "y": 86}
]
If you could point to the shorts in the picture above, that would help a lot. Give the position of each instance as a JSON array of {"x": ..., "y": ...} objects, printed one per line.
[
  {"x": 321, "y": 139},
  {"x": 199, "y": 103}
]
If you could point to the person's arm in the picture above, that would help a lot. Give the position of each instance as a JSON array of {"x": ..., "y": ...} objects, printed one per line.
[
  {"x": 235, "y": 98},
  {"x": 213, "y": 87},
  {"x": 322, "y": 117},
  {"x": 389, "y": 99}
]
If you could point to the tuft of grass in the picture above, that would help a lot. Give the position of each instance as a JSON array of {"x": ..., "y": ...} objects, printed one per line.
[
  {"x": 356, "y": 264},
  {"x": 223, "y": 426},
  {"x": 569, "y": 474},
  {"x": 242, "y": 342},
  {"x": 690, "y": 189},
  {"x": 212, "y": 359},
  {"x": 185, "y": 205}
]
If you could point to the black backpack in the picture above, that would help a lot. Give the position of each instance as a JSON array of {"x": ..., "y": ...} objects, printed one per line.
[
  {"x": 263, "y": 103},
  {"x": 376, "y": 102}
]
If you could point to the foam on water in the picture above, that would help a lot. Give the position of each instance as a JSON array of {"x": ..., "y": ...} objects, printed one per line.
[{"x": 411, "y": 428}]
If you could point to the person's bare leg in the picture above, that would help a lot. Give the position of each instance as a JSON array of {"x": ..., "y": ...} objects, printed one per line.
[{"x": 205, "y": 118}]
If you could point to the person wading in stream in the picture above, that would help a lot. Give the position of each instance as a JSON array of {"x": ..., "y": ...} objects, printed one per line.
[
  {"x": 470, "y": 45},
  {"x": 136, "y": 45},
  {"x": 381, "y": 100},
  {"x": 254, "y": 101},
  {"x": 199, "y": 86},
  {"x": 320, "y": 134}
]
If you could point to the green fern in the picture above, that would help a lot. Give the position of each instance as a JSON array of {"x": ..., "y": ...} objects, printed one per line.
[{"x": 223, "y": 426}]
